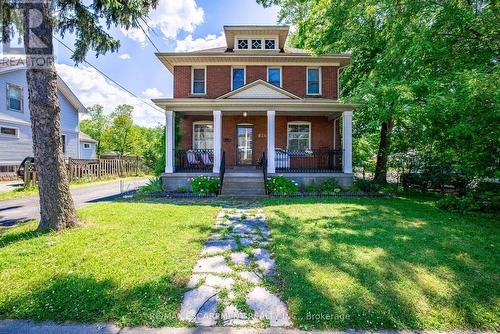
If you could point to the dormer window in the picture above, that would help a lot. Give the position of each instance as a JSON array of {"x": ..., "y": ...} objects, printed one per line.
[
  {"x": 256, "y": 44},
  {"x": 270, "y": 44},
  {"x": 242, "y": 44}
]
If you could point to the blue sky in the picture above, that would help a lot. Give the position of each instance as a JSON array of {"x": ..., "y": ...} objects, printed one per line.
[{"x": 177, "y": 25}]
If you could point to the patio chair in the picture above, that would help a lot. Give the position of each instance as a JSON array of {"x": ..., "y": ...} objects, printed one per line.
[
  {"x": 192, "y": 159},
  {"x": 205, "y": 158}
]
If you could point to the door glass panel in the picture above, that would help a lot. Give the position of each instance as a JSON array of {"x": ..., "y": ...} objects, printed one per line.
[{"x": 245, "y": 145}]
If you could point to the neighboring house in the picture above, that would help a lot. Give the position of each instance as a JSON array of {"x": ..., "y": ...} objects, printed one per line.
[
  {"x": 87, "y": 146},
  {"x": 15, "y": 124},
  {"x": 257, "y": 102}
]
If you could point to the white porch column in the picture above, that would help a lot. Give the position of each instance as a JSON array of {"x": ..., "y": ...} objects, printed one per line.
[
  {"x": 217, "y": 140},
  {"x": 271, "y": 168},
  {"x": 347, "y": 141},
  {"x": 169, "y": 141}
]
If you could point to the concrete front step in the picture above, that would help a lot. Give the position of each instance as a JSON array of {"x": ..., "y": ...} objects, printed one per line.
[{"x": 244, "y": 186}]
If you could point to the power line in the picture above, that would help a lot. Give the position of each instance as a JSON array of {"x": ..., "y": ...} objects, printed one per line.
[
  {"x": 109, "y": 78},
  {"x": 147, "y": 36}
]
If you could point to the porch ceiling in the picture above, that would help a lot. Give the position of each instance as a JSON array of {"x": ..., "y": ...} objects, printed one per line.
[{"x": 310, "y": 105}]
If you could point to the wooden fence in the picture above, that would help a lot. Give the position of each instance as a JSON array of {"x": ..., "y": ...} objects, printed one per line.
[{"x": 91, "y": 169}]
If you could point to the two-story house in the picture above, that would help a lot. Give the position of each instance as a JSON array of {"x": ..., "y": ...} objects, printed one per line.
[
  {"x": 254, "y": 104},
  {"x": 15, "y": 122}
]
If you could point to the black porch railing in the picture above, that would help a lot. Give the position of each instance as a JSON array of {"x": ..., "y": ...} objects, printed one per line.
[
  {"x": 264, "y": 171},
  {"x": 222, "y": 171},
  {"x": 194, "y": 160},
  {"x": 308, "y": 161}
]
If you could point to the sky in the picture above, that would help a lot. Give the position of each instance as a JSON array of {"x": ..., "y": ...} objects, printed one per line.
[{"x": 177, "y": 25}]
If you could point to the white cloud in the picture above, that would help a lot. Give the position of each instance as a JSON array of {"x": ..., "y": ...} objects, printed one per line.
[
  {"x": 170, "y": 17},
  {"x": 124, "y": 56},
  {"x": 93, "y": 88},
  {"x": 152, "y": 93},
  {"x": 210, "y": 41}
]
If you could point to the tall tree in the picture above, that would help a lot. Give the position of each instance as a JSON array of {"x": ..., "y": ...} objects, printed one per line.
[
  {"x": 96, "y": 125},
  {"x": 41, "y": 19},
  {"x": 121, "y": 136}
]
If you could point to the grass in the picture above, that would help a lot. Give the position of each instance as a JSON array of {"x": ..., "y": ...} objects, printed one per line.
[
  {"x": 385, "y": 264},
  {"x": 129, "y": 264},
  {"x": 20, "y": 192}
]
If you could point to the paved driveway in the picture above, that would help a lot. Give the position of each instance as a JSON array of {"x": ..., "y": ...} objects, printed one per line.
[{"x": 27, "y": 208}]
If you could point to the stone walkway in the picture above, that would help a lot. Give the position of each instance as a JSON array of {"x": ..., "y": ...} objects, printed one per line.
[{"x": 228, "y": 281}]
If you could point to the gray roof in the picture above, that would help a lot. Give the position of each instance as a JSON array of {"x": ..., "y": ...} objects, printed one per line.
[{"x": 86, "y": 138}]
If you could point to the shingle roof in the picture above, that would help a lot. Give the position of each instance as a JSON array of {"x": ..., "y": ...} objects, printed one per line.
[{"x": 86, "y": 138}]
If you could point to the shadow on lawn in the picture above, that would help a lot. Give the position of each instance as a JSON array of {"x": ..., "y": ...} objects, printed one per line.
[
  {"x": 376, "y": 264},
  {"x": 83, "y": 298}
]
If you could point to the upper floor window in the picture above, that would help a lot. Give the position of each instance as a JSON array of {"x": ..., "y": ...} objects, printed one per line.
[
  {"x": 256, "y": 44},
  {"x": 6, "y": 131},
  {"x": 14, "y": 97},
  {"x": 242, "y": 44},
  {"x": 274, "y": 76},
  {"x": 270, "y": 44},
  {"x": 313, "y": 81},
  {"x": 199, "y": 80},
  {"x": 63, "y": 143},
  {"x": 238, "y": 78}
]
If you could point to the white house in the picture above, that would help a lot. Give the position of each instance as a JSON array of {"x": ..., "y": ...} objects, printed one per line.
[{"x": 15, "y": 125}]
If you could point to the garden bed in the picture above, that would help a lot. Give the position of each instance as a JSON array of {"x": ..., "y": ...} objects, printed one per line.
[{"x": 339, "y": 194}]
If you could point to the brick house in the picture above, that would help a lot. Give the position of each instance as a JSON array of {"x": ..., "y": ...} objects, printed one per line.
[{"x": 253, "y": 105}]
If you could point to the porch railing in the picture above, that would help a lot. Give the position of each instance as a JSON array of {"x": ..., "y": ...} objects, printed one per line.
[
  {"x": 194, "y": 160},
  {"x": 222, "y": 171},
  {"x": 264, "y": 171},
  {"x": 308, "y": 161}
]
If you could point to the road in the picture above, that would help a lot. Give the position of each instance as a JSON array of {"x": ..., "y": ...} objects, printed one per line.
[{"x": 27, "y": 208}]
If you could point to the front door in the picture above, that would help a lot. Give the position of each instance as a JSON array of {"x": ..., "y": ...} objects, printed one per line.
[{"x": 244, "y": 150}]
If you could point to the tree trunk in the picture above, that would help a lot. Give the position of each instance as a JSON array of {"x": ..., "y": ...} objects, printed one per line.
[
  {"x": 57, "y": 210},
  {"x": 383, "y": 152}
]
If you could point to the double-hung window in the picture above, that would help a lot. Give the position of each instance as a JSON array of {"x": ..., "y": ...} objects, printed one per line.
[
  {"x": 199, "y": 80},
  {"x": 238, "y": 77},
  {"x": 6, "y": 131},
  {"x": 274, "y": 76},
  {"x": 313, "y": 81},
  {"x": 299, "y": 136},
  {"x": 203, "y": 136},
  {"x": 14, "y": 98}
]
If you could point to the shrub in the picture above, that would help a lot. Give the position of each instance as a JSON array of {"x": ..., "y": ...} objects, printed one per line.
[
  {"x": 366, "y": 186},
  {"x": 485, "y": 202},
  {"x": 154, "y": 185},
  {"x": 205, "y": 185},
  {"x": 311, "y": 188},
  {"x": 329, "y": 185},
  {"x": 281, "y": 185},
  {"x": 181, "y": 190}
]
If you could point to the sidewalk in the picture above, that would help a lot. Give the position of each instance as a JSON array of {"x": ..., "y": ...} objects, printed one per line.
[{"x": 30, "y": 327}]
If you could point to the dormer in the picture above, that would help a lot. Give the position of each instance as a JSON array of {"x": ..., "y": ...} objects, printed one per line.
[{"x": 256, "y": 38}]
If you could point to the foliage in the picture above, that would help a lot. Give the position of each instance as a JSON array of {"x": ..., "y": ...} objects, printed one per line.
[
  {"x": 130, "y": 261},
  {"x": 368, "y": 261},
  {"x": 312, "y": 187},
  {"x": 425, "y": 73},
  {"x": 281, "y": 185},
  {"x": 95, "y": 126},
  {"x": 479, "y": 201},
  {"x": 205, "y": 184},
  {"x": 329, "y": 185},
  {"x": 367, "y": 186},
  {"x": 154, "y": 185}
]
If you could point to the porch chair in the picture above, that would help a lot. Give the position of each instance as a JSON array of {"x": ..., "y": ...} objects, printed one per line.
[
  {"x": 191, "y": 158},
  {"x": 205, "y": 158}
]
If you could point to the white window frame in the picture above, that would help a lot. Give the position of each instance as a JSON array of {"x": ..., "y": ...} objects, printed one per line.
[
  {"x": 307, "y": 80},
  {"x": 244, "y": 75},
  {"x": 298, "y": 123},
  {"x": 249, "y": 42},
  {"x": 8, "y": 100},
  {"x": 87, "y": 146},
  {"x": 201, "y": 123},
  {"x": 9, "y": 127},
  {"x": 205, "y": 79},
  {"x": 281, "y": 74}
]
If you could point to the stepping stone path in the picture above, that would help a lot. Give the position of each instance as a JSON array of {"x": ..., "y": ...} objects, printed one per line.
[{"x": 226, "y": 288}]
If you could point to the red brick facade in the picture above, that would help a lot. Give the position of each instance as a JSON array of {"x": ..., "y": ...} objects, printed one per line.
[
  {"x": 322, "y": 133},
  {"x": 219, "y": 80}
]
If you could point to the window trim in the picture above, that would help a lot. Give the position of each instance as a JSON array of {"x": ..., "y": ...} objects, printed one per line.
[
  {"x": 8, "y": 100},
  {"x": 89, "y": 146},
  {"x": 63, "y": 143},
  {"x": 204, "y": 68},
  {"x": 298, "y": 123},
  {"x": 307, "y": 80},
  {"x": 281, "y": 74},
  {"x": 244, "y": 75},
  {"x": 7, "y": 135},
  {"x": 192, "y": 132}
]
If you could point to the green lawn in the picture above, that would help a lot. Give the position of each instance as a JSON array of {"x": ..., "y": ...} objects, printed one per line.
[
  {"x": 385, "y": 263},
  {"x": 128, "y": 265}
]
